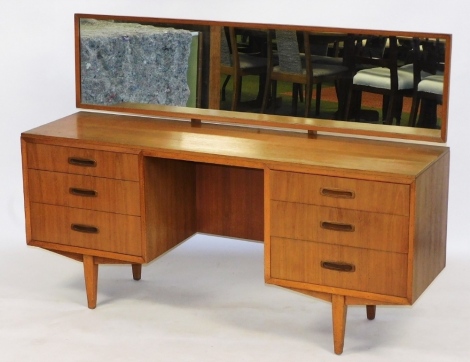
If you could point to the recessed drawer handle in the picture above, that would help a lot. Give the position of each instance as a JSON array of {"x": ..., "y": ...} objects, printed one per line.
[
  {"x": 341, "y": 267},
  {"x": 84, "y": 162},
  {"x": 83, "y": 192},
  {"x": 342, "y": 194},
  {"x": 336, "y": 226},
  {"x": 87, "y": 229}
]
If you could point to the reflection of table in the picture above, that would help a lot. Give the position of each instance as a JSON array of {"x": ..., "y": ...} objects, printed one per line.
[
  {"x": 253, "y": 40},
  {"x": 330, "y": 38}
]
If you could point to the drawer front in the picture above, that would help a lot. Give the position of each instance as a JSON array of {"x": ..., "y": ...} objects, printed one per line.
[
  {"x": 86, "y": 228},
  {"x": 86, "y": 192},
  {"x": 83, "y": 161},
  {"x": 341, "y": 192},
  {"x": 339, "y": 266},
  {"x": 340, "y": 226}
]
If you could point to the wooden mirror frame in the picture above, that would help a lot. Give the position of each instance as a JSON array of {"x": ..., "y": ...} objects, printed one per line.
[{"x": 311, "y": 125}]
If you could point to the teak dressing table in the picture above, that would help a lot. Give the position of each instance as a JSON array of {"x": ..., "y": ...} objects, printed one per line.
[{"x": 348, "y": 220}]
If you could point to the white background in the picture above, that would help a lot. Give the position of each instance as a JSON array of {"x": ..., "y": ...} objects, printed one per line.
[{"x": 37, "y": 86}]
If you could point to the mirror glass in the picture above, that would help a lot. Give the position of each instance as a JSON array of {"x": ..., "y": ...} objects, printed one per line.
[{"x": 367, "y": 82}]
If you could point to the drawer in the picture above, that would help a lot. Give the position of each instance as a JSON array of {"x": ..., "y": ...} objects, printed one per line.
[
  {"x": 83, "y": 161},
  {"x": 86, "y": 228},
  {"x": 339, "y": 266},
  {"x": 340, "y": 226},
  {"x": 341, "y": 192},
  {"x": 87, "y": 192}
]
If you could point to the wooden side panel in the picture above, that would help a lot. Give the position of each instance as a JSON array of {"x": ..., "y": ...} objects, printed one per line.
[
  {"x": 230, "y": 201},
  {"x": 430, "y": 234},
  {"x": 170, "y": 209},
  {"x": 27, "y": 210},
  {"x": 267, "y": 224}
]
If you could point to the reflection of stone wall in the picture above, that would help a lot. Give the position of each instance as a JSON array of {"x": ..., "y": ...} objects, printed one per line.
[{"x": 125, "y": 62}]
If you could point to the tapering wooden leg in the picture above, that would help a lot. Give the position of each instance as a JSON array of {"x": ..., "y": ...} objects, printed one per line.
[
  {"x": 91, "y": 280},
  {"x": 339, "y": 321},
  {"x": 136, "y": 271},
  {"x": 370, "y": 312}
]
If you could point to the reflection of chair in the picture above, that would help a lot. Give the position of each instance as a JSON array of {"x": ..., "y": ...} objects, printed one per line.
[
  {"x": 297, "y": 68},
  {"x": 237, "y": 65},
  {"x": 319, "y": 54},
  {"x": 430, "y": 83},
  {"x": 429, "y": 93},
  {"x": 370, "y": 47},
  {"x": 384, "y": 78}
]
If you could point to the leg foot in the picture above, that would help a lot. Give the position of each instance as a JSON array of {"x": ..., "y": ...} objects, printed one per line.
[
  {"x": 136, "y": 271},
  {"x": 370, "y": 312},
  {"x": 339, "y": 321},
  {"x": 91, "y": 280}
]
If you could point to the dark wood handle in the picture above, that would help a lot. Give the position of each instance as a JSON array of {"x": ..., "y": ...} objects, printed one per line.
[
  {"x": 336, "y": 226},
  {"x": 84, "y": 162},
  {"x": 341, "y": 194},
  {"x": 336, "y": 266},
  {"x": 83, "y": 192},
  {"x": 87, "y": 229}
]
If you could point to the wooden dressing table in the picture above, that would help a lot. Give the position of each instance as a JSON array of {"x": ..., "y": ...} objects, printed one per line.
[{"x": 348, "y": 220}]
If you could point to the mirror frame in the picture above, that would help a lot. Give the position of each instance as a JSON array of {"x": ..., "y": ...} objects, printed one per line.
[{"x": 311, "y": 125}]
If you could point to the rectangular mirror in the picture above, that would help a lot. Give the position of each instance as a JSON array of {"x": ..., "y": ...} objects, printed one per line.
[{"x": 353, "y": 81}]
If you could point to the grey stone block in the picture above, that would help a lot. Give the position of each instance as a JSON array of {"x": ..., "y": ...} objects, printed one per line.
[{"x": 133, "y": 63}]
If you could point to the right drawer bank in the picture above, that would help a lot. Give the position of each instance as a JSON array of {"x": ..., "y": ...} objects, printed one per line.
[{"x": 341, "y": 235}]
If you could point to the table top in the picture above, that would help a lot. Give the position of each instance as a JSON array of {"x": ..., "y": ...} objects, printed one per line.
[{"x": 243, "y": 146}]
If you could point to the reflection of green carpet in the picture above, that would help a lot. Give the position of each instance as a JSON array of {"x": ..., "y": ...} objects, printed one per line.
[
  {"x": 250, "y": 87},
  {"x": 328, "y": 105},
  {"x": 369, "y": 100}
]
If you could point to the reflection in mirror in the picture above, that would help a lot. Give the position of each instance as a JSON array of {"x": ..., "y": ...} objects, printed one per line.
[
  {"x": 355, "y": 77},
  {"x": 364, "y": 82}
]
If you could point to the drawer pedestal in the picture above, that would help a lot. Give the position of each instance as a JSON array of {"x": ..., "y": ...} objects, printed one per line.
[{"x": 351, "y": 241}]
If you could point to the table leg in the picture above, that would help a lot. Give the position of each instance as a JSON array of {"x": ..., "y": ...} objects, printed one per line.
[
  {"x": 370, "y": 312},
  {"x": 339, "y": 321},
  {"x": 136, "y": 271},
  {"x": 91, "y": 280}
]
